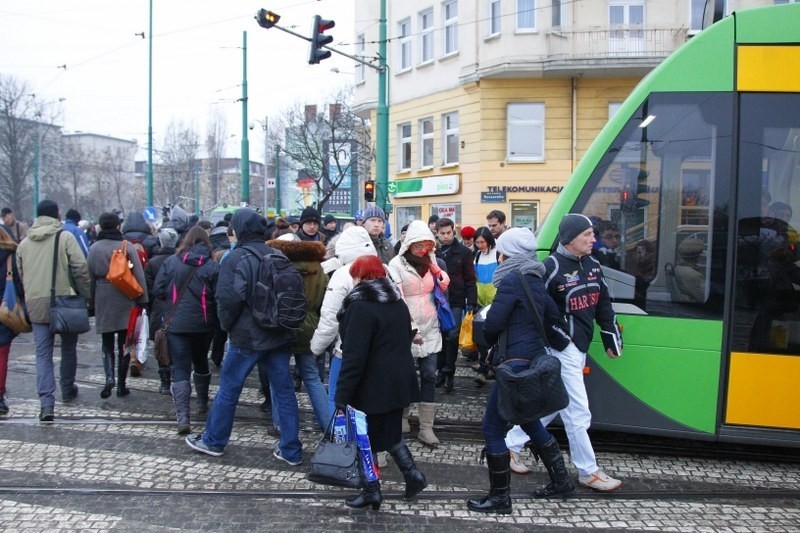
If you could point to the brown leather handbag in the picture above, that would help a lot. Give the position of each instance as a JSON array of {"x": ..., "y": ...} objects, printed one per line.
[{"x": 120, "y": 273}]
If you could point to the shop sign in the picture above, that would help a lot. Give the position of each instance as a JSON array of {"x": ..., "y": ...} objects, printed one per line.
[
  {"x": 433, "y": 186},
  {"x": 525, "y": 188},
  {"x": 446, "y": 211}
]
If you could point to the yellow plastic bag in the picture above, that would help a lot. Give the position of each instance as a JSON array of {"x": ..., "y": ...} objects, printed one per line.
[{"x": 465, "y": 341}]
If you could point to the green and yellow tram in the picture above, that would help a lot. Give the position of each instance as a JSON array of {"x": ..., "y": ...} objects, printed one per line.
[{"x": 699, "y": 172}]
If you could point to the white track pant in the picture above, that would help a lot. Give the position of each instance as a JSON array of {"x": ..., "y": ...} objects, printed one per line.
[{"x": 576, "y": 416}]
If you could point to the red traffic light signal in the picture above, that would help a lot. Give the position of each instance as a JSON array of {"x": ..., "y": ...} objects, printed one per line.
[
  {"x": 319, "y": 40},
  {"x": 267, "y": 19},
  {"x": 369, "y": 190}
]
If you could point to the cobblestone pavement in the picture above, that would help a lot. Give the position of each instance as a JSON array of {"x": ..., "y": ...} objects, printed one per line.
[{"x": 117, "y": 464}]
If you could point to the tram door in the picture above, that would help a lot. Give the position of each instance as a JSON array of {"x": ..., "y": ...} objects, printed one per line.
[{"x": 764, "y": 364}]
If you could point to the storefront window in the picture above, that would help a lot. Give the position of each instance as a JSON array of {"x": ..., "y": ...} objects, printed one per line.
[
  {"x": 451, "y": 211},
  {"x": 525, "y": 215}
]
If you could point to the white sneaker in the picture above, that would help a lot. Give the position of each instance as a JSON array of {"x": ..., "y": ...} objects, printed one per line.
[
  {"x": 600, "y": 481},
  {"x": 277, "y": 454},
  {"x": 517, "y": 466}
]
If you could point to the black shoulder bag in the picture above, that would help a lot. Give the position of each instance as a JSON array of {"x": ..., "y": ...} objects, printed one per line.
[
  {"x": 68, "y": 314},
  {"x": 537, "y": 391}
]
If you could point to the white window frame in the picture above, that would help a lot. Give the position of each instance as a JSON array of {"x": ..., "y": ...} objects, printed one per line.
[
  {"x": 523, "y": 8},
  {"x": 426, "y": 140},
  {"x": 527, "y": 128},
  {"x": 361, "y": 50},
  {"x": 404, "y": 45},
  {"x": 695, "y": 26},
  {"x": 493, "y": 18},
  {"x": 450, "y": 132},
  {"x": 403, "y": 147},
  {"x": 426, "y": 37},
  {"x": 449, "y": 28},
  {"x": 613, "y": 108}
]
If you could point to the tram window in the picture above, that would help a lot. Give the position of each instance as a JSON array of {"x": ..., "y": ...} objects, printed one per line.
[
  {"x": 766, "y": 311},
  {"x": 659, "y": 199}
]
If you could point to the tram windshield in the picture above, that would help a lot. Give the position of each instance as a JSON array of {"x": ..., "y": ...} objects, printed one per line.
[{"x": 659, "y": 201}]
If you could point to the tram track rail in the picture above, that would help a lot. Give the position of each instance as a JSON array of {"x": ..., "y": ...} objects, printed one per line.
[{"x": 316, "y": 494}]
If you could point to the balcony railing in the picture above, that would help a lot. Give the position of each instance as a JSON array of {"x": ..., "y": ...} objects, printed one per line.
[{"x": 622, "y": 42}]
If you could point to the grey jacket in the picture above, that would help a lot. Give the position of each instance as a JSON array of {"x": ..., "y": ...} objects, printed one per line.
[{"x": 111, "y": 307}]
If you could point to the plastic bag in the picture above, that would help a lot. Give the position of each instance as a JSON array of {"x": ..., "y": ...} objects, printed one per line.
[
  {"x": 358, "y": 427},
  {"x": 142, "y": 335},
  {"x": 465, "y": 341}
]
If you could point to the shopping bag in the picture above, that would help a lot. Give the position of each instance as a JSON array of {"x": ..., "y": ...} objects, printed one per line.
[
  {"x": 447, "y": 321},
  {"x": 358, "y": 427},
  {"x": 465, "y": 341},
  {"x": 336, "y": 461},
  {"x": 12, "y": 309},
  {"x": 142, "y": 333}
]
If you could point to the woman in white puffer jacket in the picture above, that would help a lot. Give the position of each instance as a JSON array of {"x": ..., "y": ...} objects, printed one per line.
[
  {"x": 413, "y": 269},
  {"x": 353, "y": 243}
]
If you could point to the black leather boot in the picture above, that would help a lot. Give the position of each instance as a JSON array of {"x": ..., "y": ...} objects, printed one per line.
[
  {"x": 448, "y": 382},
  {"x": 415, "y": 480},
  {"x": 108, "y": 367},
  {"x": 371, "y": 495},
  {"x": 165, "y": 373},
  {"x": 201, "y": 383},
  {"x": 499, "y": 498},
  {"x": 561, "y": 484},
  {"x": 122, "y": 374}
]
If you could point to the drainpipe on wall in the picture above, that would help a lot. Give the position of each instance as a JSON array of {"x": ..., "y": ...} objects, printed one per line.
[{"x": 574, "y": 124}]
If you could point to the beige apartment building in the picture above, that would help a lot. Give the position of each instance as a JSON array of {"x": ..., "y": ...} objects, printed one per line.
[{"x": 494, "y": 102}]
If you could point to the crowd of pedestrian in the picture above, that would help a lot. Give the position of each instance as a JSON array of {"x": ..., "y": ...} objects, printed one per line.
[{"x": 371, "y": 324}]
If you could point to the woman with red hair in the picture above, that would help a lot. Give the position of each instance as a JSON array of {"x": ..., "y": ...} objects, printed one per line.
[{"x": 378, "y": 374}]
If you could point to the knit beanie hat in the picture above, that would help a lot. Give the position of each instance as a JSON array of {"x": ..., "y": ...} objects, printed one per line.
[
  {"x": 309, "y": 214},
  {"x": 516, "y": 241},
  {"x": 47, "y": 208},
  {"x": 572, "y": 225},
  {"x": 467, "y": 232},
  {"x": 374, "y": 211},
  {"x": 328, "y": 219},
  {"x": 73, "y": 215},
  {"x": 168, "y": 238}
]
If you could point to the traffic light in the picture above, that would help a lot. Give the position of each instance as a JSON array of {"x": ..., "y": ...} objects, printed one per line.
[
  {"x": 369, "y": 190},
  {"x": 319, "y": 39},
  {"x": 267, "y": 19}
]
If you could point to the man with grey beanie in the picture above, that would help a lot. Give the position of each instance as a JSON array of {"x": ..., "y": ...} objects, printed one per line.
[{"x": 575, "y": 281}]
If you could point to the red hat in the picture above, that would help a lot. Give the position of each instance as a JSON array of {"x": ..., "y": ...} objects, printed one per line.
[{"x": 467, "y": 232}]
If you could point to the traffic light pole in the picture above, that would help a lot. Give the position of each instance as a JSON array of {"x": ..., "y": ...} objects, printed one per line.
[
  {"x": 245, "y": 162},
  {"x": 382, "y": 141}
]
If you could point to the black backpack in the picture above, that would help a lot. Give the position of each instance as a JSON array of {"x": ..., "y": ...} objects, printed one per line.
[{"x": 277, "y": 300}]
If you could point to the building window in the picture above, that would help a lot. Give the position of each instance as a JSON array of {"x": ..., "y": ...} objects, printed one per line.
[
  {"x": 404, "y": 151},
  {"x": 626, "y": 19},
  {"x": 526, "y": 132},
  {"x": 697, "y": 10},
  {"x": 451, "y": 27},
  {"x": 558, "y": 13},
  {"x": 613, "y": 107},
  {"x": 361, "y": 49},
  {"x": 526, "y": 15},
  {"x": 426, "y": 143},
  {"x": 426, "y": 36},
  {"x": 493, "y": 18},
  {"x": 525, "y": 215},
  {"x": 450, "y": 138},
  {"x": 404, "y": 44}
]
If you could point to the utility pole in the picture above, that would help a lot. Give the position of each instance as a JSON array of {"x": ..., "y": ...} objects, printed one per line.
[
  {"x": 150, "y": 111},
  {"x": 245, "y": 160},
  {"x": 382, "y": 141}
]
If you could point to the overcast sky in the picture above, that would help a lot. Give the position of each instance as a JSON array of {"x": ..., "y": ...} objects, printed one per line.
[{"x": 197, "y": 61}]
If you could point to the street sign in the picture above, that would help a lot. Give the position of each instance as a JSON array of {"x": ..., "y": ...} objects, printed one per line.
[
  {"x": 150, "y": 214},
  {"x": 391, "y": 187},
  {"x": 498, "y": 197}
]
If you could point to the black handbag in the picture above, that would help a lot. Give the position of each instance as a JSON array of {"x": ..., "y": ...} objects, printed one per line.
[
  {"x": 336, "y": 463},
  {"x": 68, "y": 314},
  {"x": 527, "y": 395}
]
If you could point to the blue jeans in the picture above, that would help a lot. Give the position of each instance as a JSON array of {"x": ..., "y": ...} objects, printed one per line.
[
  {"x": 45, "y": 370},
  {"x": 239, "y": 362},
  {"x": 305, "y": 365},
  {"x": 333, "y": 377},
  {"x": 450, "y": 342},
  {"x": 427, "y": 377},
  {"x": 495, "y": 428}
]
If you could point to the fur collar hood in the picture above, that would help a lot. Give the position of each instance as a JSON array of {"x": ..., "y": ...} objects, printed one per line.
[
  {"x": 6, "y": 241},
  {"x": 381, "y": 290},
  {"x": 300, "y": 250}
]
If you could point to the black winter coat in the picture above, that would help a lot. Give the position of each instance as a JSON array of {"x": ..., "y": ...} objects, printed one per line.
[
  {"x": 460, "y": 266},
  {"x": 378, "y": 373},
  {"x": 196, "y": 310},
  {"x": 156, "y": 306},
  {"x": 511, "y": 311}
]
